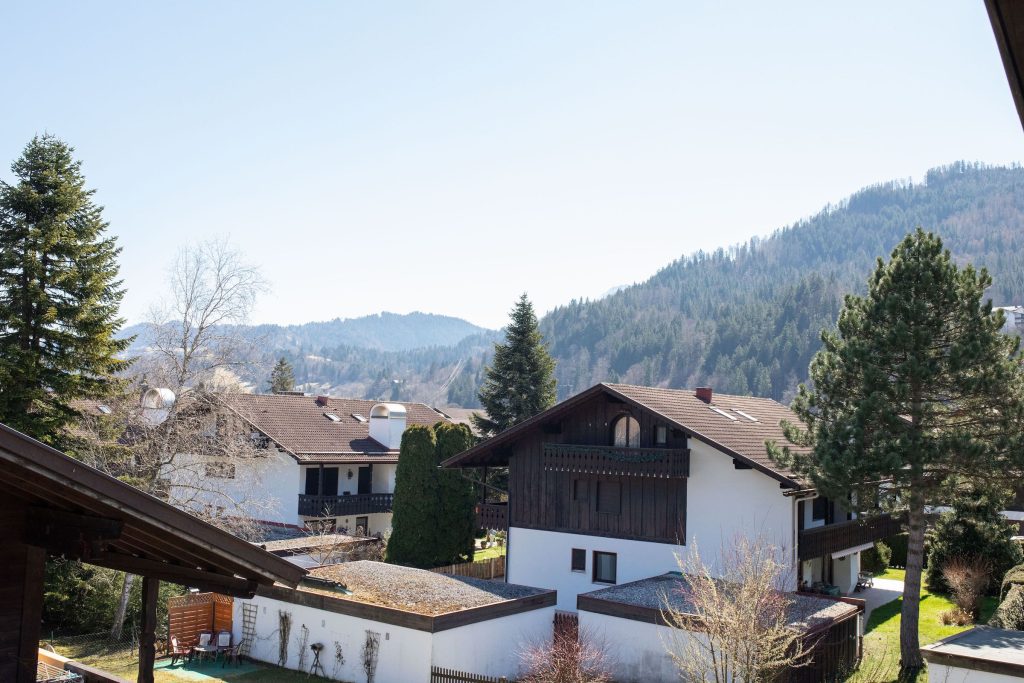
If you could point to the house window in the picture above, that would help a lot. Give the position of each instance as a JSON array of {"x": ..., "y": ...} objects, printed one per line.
[
  {"x": 579, "y": 560},
  {"x": 626, "y": 432},
  {"x": 330, "y": 481},
  {"x": 660, "y": 435},
  {"x": 609, "y": 497},
  {"x": 312, "y": 481},
  {"x": 819, "y": 508},
  {"x": 220, "y": 470},
  {"x": 604, "y": 567}
]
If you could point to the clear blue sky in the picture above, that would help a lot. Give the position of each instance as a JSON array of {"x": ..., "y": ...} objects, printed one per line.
[{"x": 446, "y": 156}]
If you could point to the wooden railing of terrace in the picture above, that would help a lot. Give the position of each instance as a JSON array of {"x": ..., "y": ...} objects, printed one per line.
[
  {"x": 663, "y": 463},
  {"x": 343, "y": 506},
  {"x": 825, "y": 540},
  {"x": 492, "y": 516}
]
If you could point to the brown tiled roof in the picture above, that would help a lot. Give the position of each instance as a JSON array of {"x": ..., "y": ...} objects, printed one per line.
[
  {"x": 298, "y": 425},
  {"x": 741, "y": 437}
]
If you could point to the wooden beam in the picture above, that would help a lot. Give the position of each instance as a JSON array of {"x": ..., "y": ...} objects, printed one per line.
[
  {"x": 70, "y": 534},
  {"x": 31, "y": 614},
  {"x": 147, "y": 632},
  {"x": 179, "y": 574}
]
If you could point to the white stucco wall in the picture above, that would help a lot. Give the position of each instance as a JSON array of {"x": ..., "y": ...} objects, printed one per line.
[
  {"x": 384, "y": 478},
  {"x": 274, "y": 480},
  {"x": 636, "y": 652},
  {"x": 722, "y": 503},
  {"x": 404, "y": 656},
  {"x": 939, "y": 673},
  {"x": 493, "y": 647}
]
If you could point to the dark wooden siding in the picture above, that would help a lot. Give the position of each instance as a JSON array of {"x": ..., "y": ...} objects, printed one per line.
[{"x": 651, "y": 508}]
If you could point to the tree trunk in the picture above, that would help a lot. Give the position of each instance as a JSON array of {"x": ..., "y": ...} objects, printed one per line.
[
  {"x": 910, "y": 644},
  {"x": 122, "y": 607}
]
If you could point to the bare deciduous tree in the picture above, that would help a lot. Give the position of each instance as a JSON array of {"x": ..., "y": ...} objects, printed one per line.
[
  {"x": 734, "y": 624},
  {"x": 182, "y": 450},
  {"x": 567, "y": 658}
]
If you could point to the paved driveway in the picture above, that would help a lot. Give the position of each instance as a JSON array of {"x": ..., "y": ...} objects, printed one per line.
[{"x": 884, "y": 591}]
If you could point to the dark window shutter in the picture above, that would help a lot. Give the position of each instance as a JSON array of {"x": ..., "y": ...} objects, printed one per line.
[{"x": 609, "y": 497}]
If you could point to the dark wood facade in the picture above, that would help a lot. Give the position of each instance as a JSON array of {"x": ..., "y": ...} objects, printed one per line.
[{"x": 568, "y": 476}]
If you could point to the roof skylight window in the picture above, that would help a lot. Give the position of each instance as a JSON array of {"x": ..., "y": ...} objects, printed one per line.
[
  {"x": 742, "y": 414},
  {"x": 332, "y": 417},
  {"x": 106, "y": 410},
  {"x": 722, "y": 413},
  {"x": 359, "y": 417}
]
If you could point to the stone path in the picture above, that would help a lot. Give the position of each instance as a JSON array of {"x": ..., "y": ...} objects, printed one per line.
[{"x": 883, "y": 592}]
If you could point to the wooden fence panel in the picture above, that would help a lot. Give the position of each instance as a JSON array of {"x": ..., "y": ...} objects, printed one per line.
[
  {"x": 439, "y": 675},
  {"x": 492, "y": 568},
  {"x": 189, "y": 615}
]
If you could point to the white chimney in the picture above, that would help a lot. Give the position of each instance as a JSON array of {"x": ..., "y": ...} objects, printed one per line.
[{"x": 387, "y": 422}]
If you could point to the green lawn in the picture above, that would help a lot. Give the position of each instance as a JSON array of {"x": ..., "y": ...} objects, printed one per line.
[
  {"x": 882, "y": 633},
  {"x": 488, "y": 553}
]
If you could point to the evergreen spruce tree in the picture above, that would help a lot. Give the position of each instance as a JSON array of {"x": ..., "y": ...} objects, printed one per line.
[
  {"x": 916, "y": 387},
  {"x": 973, "y": 528},
  {"x": 59, "y": 293},
  {"x": 282, "y": 377},
  {"x": 414, "y": 523},
  {"x": 456, "y": 517},
  {"x": 520, "y": 381}
]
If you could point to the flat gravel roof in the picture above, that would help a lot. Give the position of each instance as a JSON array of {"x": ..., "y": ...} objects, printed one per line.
[{"x": 417, "y": 590}]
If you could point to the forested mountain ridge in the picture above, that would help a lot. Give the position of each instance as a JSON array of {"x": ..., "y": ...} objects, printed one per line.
[
  {"x": 748, "y": 319},
  {"x": 744, "y": 320}
]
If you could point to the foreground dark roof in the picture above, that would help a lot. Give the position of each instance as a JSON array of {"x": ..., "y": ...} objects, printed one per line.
[
  {"x": 981, "y": 648},
  {"x": 118, "y": 526},
  {"x": 298, "y": 425},
  {"x": 1007, "y": 17},
  {"x": 742, "y": 438}
]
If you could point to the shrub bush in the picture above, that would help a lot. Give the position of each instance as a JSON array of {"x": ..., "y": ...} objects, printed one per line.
[
  {"x": 898, "y": 545},
  {"x": 876, "y": 560},
  {"x": 1010, "y": 613},
  {"x": 975, "y": 527},
  {"x": 968, "y": 580}
]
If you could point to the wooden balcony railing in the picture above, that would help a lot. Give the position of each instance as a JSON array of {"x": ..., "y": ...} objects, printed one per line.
[
  {"x": 832, "y": 538},
  {"x": 664, "y": 463},
  {"x": 492, "y": 516},
  {"x": 341, "y": 506}
]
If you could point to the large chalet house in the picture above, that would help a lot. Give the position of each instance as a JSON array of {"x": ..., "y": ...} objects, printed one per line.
[
  {"x": 329, "y": 459},
  {"x": 609, "y": 486}
]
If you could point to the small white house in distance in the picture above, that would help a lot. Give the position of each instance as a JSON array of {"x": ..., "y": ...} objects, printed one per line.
[
  {"x": 627, "y": 622},
  {"x": 979, "y": 655},
  {"x": 408, "y": 620},
  {"x": 328, "y": 458}
]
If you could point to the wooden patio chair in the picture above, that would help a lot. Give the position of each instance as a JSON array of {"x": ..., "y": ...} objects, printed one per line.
[{"x": 179, "y": 651}]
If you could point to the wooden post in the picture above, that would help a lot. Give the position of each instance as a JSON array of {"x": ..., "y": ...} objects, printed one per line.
[
  {"x": 147, "y": 637},
  {"x": 31, "y": 612}
]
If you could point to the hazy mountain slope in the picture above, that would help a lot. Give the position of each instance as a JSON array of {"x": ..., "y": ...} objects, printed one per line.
[{"x": 748, "y": 319}]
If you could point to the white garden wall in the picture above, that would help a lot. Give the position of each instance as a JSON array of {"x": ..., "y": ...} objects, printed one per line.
[
  {"x": 493, "y": 647},
  {"x": 940, "y": 673},
  {"x": 404, "y": 657},
  {"x": 636, "y": 651}
]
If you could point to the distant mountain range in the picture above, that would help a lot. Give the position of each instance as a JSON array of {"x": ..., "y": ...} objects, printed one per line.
[{"x": 745, "y": 320}]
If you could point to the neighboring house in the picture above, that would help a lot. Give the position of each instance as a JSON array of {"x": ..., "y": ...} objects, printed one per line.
[
  {"x": 610, "y": 485},
  {"x": 329, "y": 459},
  {"x": 1014, "y": 319}
]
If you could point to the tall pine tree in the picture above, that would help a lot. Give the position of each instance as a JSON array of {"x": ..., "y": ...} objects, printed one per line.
[
  {"x": 59, "y": 293},
  {"x": 520, "y": 382},
  {"x": 916, "y": 388},
  {"x": 282, "y": 377}
]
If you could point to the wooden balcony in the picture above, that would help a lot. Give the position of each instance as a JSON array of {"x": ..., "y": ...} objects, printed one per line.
[
  {"x": 661, "y": 463},
  {"x": 832, "y": 538},
  {"x": 343, "y": 506},
  {"x": 492, "y": 516}
]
